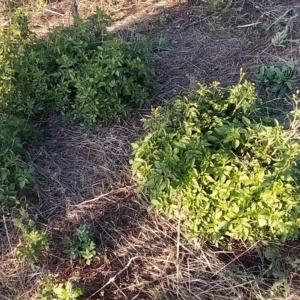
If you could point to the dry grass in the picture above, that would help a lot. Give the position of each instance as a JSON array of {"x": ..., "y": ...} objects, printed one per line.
[{"x": 85, "y": 178}]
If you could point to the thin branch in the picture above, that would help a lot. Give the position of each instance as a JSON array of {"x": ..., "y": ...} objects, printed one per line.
[
  {"x": 249, "y": 25},
  {"x": 54, "y": 12},
  {"x": 112, "y": 279},
  {"x": 7, "y": 233},
  {"x": 104, "y": 195},
  {"x": 74, "y": 7}
]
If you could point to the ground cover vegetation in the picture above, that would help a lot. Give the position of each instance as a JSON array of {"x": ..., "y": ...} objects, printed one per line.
[
  {"x": 83, "y": 72},
  {"x": 211, "y": 159},
  {"x": 218, "y": 168},
  {"x": 58, "y": 291}
]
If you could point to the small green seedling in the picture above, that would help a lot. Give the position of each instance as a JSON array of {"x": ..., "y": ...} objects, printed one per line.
[
  {"x": 159, "y": 44},
  {"x": 33, "y": 241},
  {"x": 82, "y": 244},
  {"x": 163, "y": 19},
  {"x": 53, "y": 291}
]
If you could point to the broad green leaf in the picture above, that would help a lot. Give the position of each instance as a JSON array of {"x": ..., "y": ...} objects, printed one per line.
[
  {"x": 271, "y": 254},
  {"x": 246, "y": 121},
  {"x": 262, "y": 222}
]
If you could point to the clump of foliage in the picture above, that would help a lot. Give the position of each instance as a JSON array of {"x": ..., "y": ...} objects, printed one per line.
[
  {"x": 21, "y": 76},
  {"x": 58, "y": 291},
  {"x": 15, "y": 174},
  {"x": 210, "y": 159},
  {"x": 82, "y": 244},
  {"x": 276, "y": 80},
  {"x": 88, "y": 75},
  {"x": 218, "y": 5},
  {"x": 83, "y": 72},
  {"x": 33, "y": 240}
]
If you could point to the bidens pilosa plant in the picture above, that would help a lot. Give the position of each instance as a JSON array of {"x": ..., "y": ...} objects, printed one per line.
[
  {"x": 276, "y": 80},
  {"x": 58, "y": 291},
  {"x": 15, "y": 173},
  {"x": 82, "y": 244},
  {"x": 209, "y": 158},
  {"x": 84, "y": 72},
  {"x": 33, "y": 240}
]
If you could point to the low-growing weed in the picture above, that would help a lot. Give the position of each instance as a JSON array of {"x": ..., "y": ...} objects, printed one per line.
[
  {"x": 233, "y": 171},
  {"x": 15, "y": 174},
  {"x": 159, "y": 44},
  {"x": 163, "y": 18},
  {"x": 58, "y": 291},
  {"x": 276, "y": 80},
  {"x": 33, "y": 241},
  {"x": 82, "y": 244},
  {"x": 218, "y": 6},
  {"x": 275, "y": 268}
]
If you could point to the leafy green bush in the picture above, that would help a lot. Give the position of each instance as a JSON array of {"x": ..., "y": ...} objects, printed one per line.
[
  {"x": 23, "y": 82},
  {"x": 15, "y": 174},
  {"x": 210, "y": 159},
  {"x": 83, "y": 72}
]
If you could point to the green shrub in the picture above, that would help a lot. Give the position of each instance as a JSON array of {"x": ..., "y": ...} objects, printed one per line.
[
  {"x": 209, "y": 159},
  {"x": 23, "y": 81},
  {"x": 88, "y": 75},
  {"x": 15, "y": 174}
]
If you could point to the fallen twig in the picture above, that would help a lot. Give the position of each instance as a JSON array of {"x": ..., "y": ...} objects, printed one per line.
[
  {"x": 54, "y": 12},
  {"x": 104, "y": 195},
  {"x": 112, "y": 279}
]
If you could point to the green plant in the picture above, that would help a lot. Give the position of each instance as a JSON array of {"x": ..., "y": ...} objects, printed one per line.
[
  {"x": 219, "y": 5},
  {"x": 159, "y": 44},
  {"x": 163, "y": 18},
  {"x": 23, "y": 82},
  {"x": 160, "y": 295},
  {"x": 275, "y": 268},
  {"x": 82, "y": 244},
  {"x": 60, "y": 291},
  {"x": 33, "y": 241},
  {"x": 281, "y": 37},
  {"x": 15, "y": 174},
  {"x": 294, "y": 263},
  {"x": 88, "y": 75},
  {"x": 276, "y": 80},
  {"x": 210, "y": 159}
]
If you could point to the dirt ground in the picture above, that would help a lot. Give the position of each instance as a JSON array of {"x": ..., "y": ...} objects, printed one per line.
[{"x": 85, "y": 178}]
